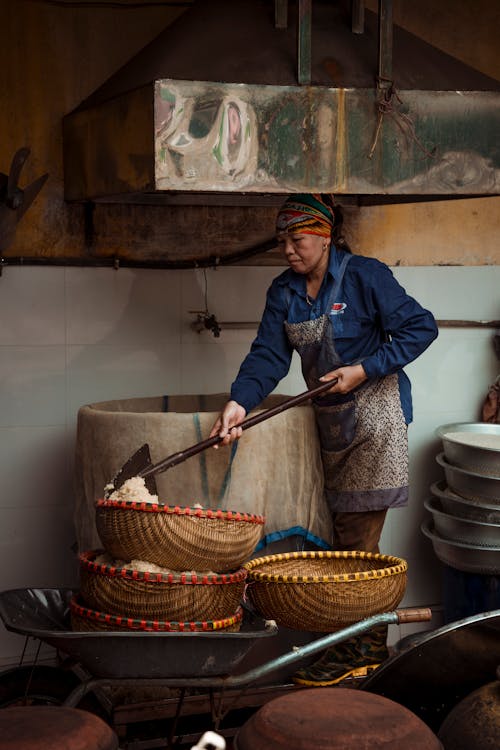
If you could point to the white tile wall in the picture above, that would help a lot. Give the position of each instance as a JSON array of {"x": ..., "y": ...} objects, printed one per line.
[{"x": 72, "y": 336}]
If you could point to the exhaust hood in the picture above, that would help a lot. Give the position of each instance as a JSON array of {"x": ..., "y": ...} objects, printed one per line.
[{"x": 226, "y": 102}]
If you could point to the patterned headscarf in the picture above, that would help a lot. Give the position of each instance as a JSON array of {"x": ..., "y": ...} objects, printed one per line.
[{"x": 306, "y": 213}]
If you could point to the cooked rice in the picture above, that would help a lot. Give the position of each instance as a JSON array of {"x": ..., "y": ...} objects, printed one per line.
[
  {"x": 134, "y": 489},
  {"x": 144, "y": 566}
]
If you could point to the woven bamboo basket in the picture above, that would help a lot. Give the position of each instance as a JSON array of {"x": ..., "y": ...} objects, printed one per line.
[
  {"x": 149, "y": 595},
  {"x": 86, "y": 619},
  {"x": 325, "y": 591},
  {"x": 177, "y": 537}
]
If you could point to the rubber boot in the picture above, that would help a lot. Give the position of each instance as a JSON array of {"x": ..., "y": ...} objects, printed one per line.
[{"x": 355, "y": 657}]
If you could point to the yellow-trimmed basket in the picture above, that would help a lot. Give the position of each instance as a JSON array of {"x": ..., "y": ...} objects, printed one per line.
[
  {"x": 325, "y": 591},
  {"x": 84, "y": 618},
  {"x": 149, "y": 595},
  {"x": 177, "y": 537}
]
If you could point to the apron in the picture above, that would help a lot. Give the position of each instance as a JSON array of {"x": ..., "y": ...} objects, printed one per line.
[{"x": 363, "y": 434}]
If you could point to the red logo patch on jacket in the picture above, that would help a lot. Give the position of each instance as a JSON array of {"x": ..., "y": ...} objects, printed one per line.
[{"x": 338, "y": 308}]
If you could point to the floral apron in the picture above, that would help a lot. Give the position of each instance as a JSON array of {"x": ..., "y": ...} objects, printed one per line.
[{"x": 363, "y": 434}]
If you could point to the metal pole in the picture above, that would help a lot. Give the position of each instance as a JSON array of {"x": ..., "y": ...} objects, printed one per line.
[
  {"x": 384, "y": 42},
  {"x": 358, "y": 17},
  {"x": 281, "y": 14},
  {"x": 304, "y": 43}
]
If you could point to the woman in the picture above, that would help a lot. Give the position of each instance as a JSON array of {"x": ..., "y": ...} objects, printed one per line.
[{"x": 352, "y": 323}]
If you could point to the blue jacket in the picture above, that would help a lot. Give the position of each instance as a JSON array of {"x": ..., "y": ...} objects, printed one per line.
[{"x": 374, "y": 320}]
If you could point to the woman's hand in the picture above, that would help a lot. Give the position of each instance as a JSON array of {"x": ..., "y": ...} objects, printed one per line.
[
  {"x": 232, "y": 414},
  {"x": 348, "y": 378}
]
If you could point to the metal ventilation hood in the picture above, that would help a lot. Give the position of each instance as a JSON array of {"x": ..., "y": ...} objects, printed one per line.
[{"x": 261, "y": 98}]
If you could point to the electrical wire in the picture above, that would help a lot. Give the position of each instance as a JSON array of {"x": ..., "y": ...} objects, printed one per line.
[{"x": 206, "y": 289}]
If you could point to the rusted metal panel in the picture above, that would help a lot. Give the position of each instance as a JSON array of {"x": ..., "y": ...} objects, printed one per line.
[
  {"x": 441, "y": 233},
  {"x": 239, "y": 137},
  {"x": 226, "y": 137},
  {"x": 108, "y": 149}
]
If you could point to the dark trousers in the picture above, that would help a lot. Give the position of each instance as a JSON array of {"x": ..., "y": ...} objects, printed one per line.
[
  {"x": 358, "y": 531},
  {"x": 361, "y": 531}
]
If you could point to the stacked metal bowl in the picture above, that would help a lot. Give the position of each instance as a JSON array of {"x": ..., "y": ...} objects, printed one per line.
[{"x": 465, "y": 507}]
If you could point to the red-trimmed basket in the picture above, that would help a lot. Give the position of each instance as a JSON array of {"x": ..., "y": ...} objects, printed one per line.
[
  {"x": 84, "y": 618},
  {"x": 177, "y": 537},
  {"x": 325, "y": 591},
  {"x": 158, "y": 596}
]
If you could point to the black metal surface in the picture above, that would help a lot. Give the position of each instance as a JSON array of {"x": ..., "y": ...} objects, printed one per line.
[
  {"x": 206, "y": 44},
  {"x": 44, "y": 614},
  {"x": 440, "y": 668},
  {"x": 14, "y": 201},
  {"x": 133, "y": 467}
]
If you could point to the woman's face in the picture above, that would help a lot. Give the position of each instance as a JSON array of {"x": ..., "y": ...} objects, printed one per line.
[{"x": 305, "y": 253}]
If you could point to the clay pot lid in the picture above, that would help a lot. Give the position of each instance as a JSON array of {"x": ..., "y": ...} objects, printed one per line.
[
  {"x": 330, "y": 718},
  {"x": 42, "y": 727}
]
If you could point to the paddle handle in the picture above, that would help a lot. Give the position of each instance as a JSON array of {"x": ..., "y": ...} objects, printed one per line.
[{"x": 177, "y": 458}]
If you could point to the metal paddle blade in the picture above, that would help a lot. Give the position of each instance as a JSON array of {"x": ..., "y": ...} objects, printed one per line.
[{"x": 135, "y": 466}]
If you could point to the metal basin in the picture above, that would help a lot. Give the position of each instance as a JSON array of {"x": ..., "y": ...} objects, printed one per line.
[
  {"x": 470, "y": 485},
  {"x": 476, "y": 510},
  {"x": 462, "y": 529},
  {"x": 438, "y": 668},
  {"x": 461, "y": 448},
  {"x": 469, "y": 558}
]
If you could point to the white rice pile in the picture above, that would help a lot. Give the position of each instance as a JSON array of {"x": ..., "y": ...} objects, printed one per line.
[
  {"x": 134, "y": 489},
  {"x": 145, "y": 567},
  {"x": 477, "y": 439}
]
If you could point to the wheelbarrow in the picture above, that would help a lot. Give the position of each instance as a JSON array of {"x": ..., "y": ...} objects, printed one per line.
[{"x": 184, "y": 660}]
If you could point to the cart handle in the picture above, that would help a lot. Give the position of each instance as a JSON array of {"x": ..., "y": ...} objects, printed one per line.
[
  {"x": 410, "y": 614},
  {"x": 414, "y": 614}
]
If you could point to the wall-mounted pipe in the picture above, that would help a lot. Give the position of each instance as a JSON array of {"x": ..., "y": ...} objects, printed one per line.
[{"x": 253, "y": 325}]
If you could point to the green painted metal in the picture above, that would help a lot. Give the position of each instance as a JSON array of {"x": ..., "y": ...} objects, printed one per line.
[
  {"x": 351, "y": 141},
  {"x": 385, "y": 30}
]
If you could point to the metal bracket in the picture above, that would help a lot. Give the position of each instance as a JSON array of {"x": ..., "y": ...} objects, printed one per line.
[
  {"x": 14, "y": 201},
  {"x": 281, "y": 14}
]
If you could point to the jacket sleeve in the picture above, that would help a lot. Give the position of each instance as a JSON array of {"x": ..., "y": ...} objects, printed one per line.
[
  {"x": 409, "y": 328},
  {"x": 268, "y": 360}
]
